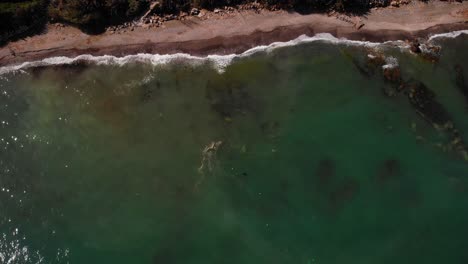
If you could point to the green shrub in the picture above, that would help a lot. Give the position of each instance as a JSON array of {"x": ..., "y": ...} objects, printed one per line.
[
  {"x": 20, "y": 17},
  {"x": 94, "y": 15}
]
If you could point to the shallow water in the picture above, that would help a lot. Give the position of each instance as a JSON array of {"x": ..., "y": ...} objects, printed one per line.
[{"x": 289, "y": 156}]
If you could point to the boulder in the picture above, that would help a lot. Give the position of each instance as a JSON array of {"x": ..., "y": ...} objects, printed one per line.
[
  {"x": 194, "y": 12},
  {"x": 415, "y": 47},
  {"x": 392, "y": 74}
]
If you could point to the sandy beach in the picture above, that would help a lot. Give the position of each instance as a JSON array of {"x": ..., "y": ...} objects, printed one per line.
[{"x": 237, "y": 32}]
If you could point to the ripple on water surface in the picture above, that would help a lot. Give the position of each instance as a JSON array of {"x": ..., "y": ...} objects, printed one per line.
[{"x": 308, "y": 153}]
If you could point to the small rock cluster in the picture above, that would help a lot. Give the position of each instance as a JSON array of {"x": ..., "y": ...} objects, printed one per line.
[
  {"x": 59, "y": 25},
  {"x": 158, "y": 20},
  {"x": 397, "y": 3},
  {"x": 421, "y": 98},
  {"x": 425, "y": 49},
  {"x": 255, "y": 6},
  {"x": 128, "y": 26}
]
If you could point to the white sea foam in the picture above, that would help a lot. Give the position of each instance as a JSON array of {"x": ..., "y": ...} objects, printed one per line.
[
  {"x": 390, "y": 63},
  {"x": 219, "y": 62},
  {"x": 453, "y": 34}
]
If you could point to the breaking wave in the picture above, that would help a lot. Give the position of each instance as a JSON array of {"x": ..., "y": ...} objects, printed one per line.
[
  {"x": 453, "y": 34},
  {"x": 219, "y": 62}
]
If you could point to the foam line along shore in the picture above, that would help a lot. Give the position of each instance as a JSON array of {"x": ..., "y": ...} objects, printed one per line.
[
  {"x": 219, "y": 62},
  {"x": 240, "y": 32}
]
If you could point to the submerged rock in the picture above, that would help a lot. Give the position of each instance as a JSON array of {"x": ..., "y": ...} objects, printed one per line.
[
  {"x": 426, "y": 50},
  {"x": 389, "y": 170},
  {"x": 423, "y": 100},
  {"x": 414, "y": 47},
  {"x": 229, "y": 100},
  {"x": 460, "y": 81},
  {"x": 344, "y": 193},
  {"x": 325, "y": 172},
  {"x": 270, "y": 129},
  {"x": 430, "y": 52},
  {"x": 375, "y": 60},
  {"x": 392, "y": 74}
]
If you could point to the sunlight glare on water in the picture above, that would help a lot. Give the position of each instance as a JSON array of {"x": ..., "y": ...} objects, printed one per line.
[{"x": 302, "y": 154}]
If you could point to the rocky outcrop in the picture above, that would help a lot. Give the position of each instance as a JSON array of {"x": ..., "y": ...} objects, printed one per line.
[
  {"x": 424, "y": 102},
  {"x": 425, "y": 49},
  {"x": 420, "y": 97}
]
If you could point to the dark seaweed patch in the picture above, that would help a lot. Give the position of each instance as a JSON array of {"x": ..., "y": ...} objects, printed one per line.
[
  {"x": 325, "y": 172},
  {"x": 344, "y": 193},
  {"x": 389, "y": 171},
  {"x": 460, "y": 81},
  {"x": 423, "y": 100},
  {"x": 229, "y": 100}
]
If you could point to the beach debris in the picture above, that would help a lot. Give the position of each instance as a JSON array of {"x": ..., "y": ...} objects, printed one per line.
[
  {"x": 208, "y": 160},
  {"x": 153, "y": 7},
  {"x": 358, "y": 24}
]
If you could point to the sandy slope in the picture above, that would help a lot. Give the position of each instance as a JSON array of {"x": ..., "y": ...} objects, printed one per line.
[{"x": 237, "y": 32}]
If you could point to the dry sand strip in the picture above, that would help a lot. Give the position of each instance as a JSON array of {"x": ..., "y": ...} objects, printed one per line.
[{"x": 241, "y": 31}]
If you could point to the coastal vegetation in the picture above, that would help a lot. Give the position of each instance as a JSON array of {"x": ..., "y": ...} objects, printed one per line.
[
  {"x": 20, "y": 17},
  {"x": 94, "y": 14}
]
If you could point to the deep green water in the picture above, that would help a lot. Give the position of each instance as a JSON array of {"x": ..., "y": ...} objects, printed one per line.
[{"x": 315, "y": 163}]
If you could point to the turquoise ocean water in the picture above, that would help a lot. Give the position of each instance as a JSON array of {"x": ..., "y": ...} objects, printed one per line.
[{"x": 290, "y": 156}]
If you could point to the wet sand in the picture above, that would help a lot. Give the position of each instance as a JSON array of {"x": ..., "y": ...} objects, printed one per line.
[{"x": 235, "y": 33}]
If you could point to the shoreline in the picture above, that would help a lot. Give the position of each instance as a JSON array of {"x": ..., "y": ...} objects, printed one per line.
[{"x": 240, "y": 32}]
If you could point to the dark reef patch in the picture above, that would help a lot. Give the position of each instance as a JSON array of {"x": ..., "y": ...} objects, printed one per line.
[
  {"x": 460, "y": 81},
  {"x": 229, "y": 100},
  {"x": 389, "y": 171},
  {"x": 325, "y": 172},
  {"x": 423, "y": 100},
  {"x": 344, "y": 194}
]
